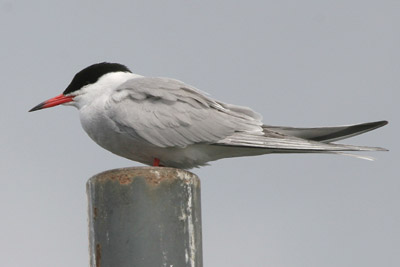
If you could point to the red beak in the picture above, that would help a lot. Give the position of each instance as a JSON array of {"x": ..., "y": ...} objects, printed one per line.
[{"x": 55, "y": 101}]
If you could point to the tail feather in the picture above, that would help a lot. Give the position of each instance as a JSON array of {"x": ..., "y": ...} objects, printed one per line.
[
  {"x": 288, "y": 144},
  {"x": 356, "y": 156}
]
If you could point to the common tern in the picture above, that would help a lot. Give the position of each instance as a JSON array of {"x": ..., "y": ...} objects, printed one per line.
[{"x": 165, "y": 122}]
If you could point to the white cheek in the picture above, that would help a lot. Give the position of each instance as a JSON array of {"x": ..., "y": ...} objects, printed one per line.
[{"x": 98, "y": 93}]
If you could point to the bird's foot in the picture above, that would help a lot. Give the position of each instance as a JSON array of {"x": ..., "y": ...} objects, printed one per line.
[{"x": 156, "y": 162}]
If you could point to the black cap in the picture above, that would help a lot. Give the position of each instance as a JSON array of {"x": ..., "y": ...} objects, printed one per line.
[{"x": 92, "y": 74}]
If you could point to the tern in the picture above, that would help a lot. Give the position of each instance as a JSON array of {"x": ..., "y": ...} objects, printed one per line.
[{"x": 165, "y": 122}]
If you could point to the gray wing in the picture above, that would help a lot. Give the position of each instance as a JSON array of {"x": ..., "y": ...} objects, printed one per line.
[{"x": 168, "y": 113}]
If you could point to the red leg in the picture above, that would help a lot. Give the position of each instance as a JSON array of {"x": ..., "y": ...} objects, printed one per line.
[{"x": 156, "y": 162}]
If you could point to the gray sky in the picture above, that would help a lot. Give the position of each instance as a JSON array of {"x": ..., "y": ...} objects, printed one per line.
[{"x": 299, "y": 63}]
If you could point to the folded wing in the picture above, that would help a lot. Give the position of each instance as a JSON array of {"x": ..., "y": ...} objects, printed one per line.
[{"x": 169, "y": 113}]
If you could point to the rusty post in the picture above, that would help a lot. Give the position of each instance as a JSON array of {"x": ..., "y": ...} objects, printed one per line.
[{"x": 144, "y": 216}]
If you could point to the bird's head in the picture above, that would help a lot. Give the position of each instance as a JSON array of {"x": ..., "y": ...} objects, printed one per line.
[{"x": 90, "y": 81}]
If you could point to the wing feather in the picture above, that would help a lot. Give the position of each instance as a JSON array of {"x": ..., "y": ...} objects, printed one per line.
[
  {"x": 327, "y": 134},
  {"x": 168, "y": 113}
]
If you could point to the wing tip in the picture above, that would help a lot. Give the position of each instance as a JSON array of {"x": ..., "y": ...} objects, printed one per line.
[{"x": 377, "y": 124}]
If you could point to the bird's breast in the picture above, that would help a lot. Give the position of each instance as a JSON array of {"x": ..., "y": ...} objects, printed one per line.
[{"x": 106, "y": 133}]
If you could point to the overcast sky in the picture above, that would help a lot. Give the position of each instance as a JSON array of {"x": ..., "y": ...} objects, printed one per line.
[{"x": 299, "y": 63}]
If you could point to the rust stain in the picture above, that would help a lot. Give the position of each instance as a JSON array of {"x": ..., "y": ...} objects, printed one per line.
[
  {"x": 124, "y": 179},
  {"x": 95, "y": 213},
  {"x": 98, "y": 255},
  {"x": 164, "y": 175}
]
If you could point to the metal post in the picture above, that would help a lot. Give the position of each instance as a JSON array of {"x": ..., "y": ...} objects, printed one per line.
[{"x": 145, "y": 216}]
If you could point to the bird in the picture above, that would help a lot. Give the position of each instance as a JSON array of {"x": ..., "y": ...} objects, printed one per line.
[{"x": 165, "y": 122}]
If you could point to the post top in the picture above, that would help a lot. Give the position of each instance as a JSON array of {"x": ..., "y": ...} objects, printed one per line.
[{"x": 152, "y": 175}]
